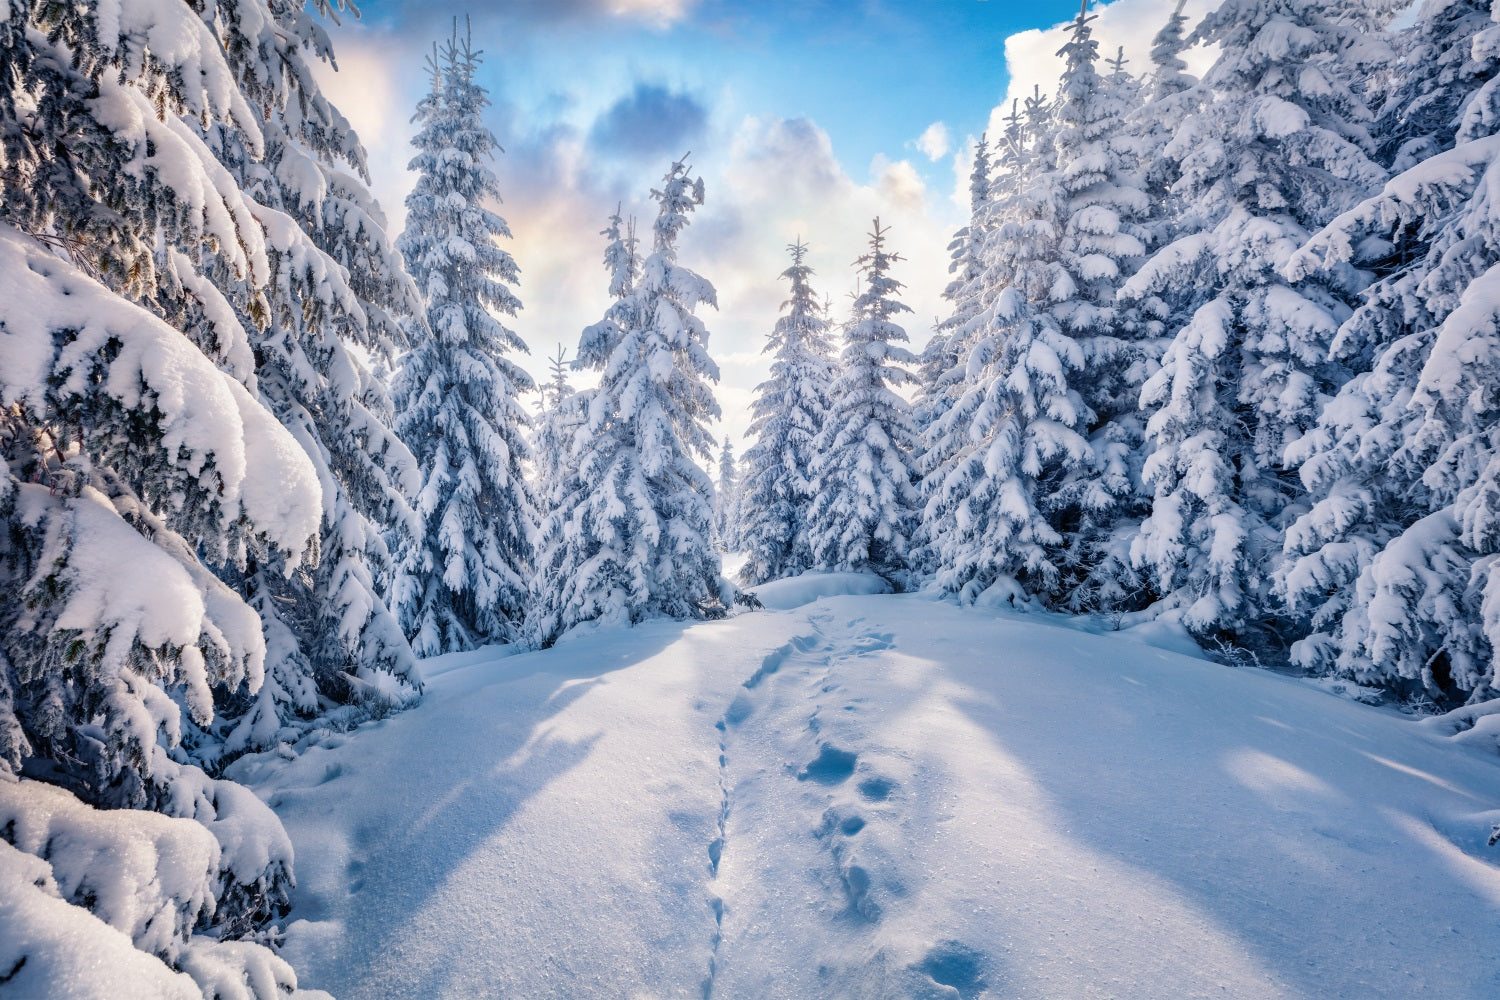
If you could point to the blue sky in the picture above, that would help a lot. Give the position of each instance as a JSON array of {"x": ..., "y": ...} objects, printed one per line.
[
  {"x": 874, "y": 73},
  {"x": 806, "y": 118}
]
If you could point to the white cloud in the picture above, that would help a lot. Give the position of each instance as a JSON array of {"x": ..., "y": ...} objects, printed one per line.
[
  {"x": 659, "y": 13},
  {"x": 934, "y": 142}
]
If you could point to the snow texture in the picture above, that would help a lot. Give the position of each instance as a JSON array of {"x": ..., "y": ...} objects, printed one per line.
[{"x": 886, "y": 796}]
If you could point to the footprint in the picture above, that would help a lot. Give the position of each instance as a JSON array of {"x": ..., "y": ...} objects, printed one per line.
[
  {"x": 835, "y": 820},
  {"x": 832, "y": 766},
  {"x": 956, "y": 966},
  {"x": 739, "y": 710},
  {"x": 877, "y": 789},
  {"x": 874, "y": 643},
  {"x": 857, "y": 888},
  {"x": 769, "y": 666}
]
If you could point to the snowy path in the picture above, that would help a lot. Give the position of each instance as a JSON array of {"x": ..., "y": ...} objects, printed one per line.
[{"x": 884, "y": 796}]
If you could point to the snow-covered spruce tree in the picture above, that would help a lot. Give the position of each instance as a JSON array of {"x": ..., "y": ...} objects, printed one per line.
[
  {"x": 1394, "y": 562},
  {"x": 560, "y": 545},
  {"x": 333, "y": 306},
  {"x": 1150, "y": 139},
  {"x": 464, "y": 582},
  {"x": 1017, "y": 431},
  {"x": 943, "y": 360},
  {"x": 129, "y": 461},
  {"x": 560, "y": 418},
  {"x": 727, "y": 501},
  {"x": 942, "y": 438},
  {"x": 1278, "y": 148},
  {"x": 1102, "y": 241},
  {"x": 864, "y": 513},
  {"x": 637, "y": 538},
  {"x": 789, "y": 410}
]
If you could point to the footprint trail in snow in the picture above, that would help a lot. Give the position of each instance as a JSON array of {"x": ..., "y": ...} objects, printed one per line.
[{"x": 807, "y": 824}]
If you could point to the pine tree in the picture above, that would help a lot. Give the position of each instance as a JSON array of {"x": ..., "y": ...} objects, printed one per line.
[
  {"x": 334, "y": 304},
  {"x": 864, "y": 513},
  {"x": 1170, "y": 76},
  {"x": 1394, "y": 560},
  {"x": 637, "y": 538},
  {"x": 1247, "y": 373},
  {"x": 1154, "y": 139},
  {"x": 1438, "y": 72},
  {"x": 1103, "y": 239},
  {"x": 465, "y": 580},
  {"x": 1017, "y": 431},
  {"x": 727, "y": 501},
  {"x": 940, "y": 374},
  {"x": 560, "y": 418},
  {"x": 143, "y": 150},
  {"x": 789, "y": 411}
]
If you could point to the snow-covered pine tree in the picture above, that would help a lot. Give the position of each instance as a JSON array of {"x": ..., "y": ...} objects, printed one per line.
[
  {"x": 637, "y": 538},
  {"x": 1394, "y": 562},
  {"x": 1172, "y": 96},
  {"x": 337, "y": 296},
  {"x": 789, "y": 410},
  {"x": 1170, "y": 76},
  {"x": 129, "y": 462},
  {"x": 1102, "y": 241},
  {"x": 1278, "y": 148},
  {"x": 562, "y": 545},
  {"x": 727, "y": 501},
  {"x": 942, "y": 363},
  {"x": 1017, "y": 431},
  {"x": 560, "y": 417},
  {"x": 864, "y": 513},
  {"x": 465, "y": 580}
]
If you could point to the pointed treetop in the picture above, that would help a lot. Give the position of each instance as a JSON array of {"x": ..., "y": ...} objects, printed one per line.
[{"x": 680, "y": 193}]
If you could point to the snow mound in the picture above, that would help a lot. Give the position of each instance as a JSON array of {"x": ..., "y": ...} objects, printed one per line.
[{"x": 794, "y": 592}]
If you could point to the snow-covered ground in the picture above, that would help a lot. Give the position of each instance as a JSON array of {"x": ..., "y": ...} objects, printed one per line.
[{"x": 887, "y": 796}]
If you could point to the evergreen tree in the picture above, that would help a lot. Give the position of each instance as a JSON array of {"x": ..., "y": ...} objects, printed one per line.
[
  {"x": 1394, "y": 560},
  {"x": 1017, "y": 431},
  {"x": 334, "y": 303},
  {"x": 727, "y": 502},
  {"x": 562, "y": 545},
  {"x": 1170, "y": 76},
  {"x": 1172, "y": 96},
  {"x": 1246, "y": 374},
  {"x": 1102, "y": 242},
  {"x": 789, "y": 410},
  {"x": 560, "y": 418},
  {"x": 864, "y": 513},
  {"x": 464, "y": 582},
  {"x": 153, "y": 238},
  {"x": 942, "y": 363},
  {"x": 636, "y": 540}
]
